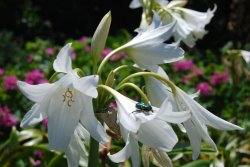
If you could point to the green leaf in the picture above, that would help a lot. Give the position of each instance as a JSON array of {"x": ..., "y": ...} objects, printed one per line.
[{"x": 198, "y": 163}]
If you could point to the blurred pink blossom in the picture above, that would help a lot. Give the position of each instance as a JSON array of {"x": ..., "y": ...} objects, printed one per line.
[
  {"x": 219, "y": 78},
  {"x": 45, "y": 122},
  {"x": 183, "y": 65},
  {"x": 186, "y": 78},
  {"x": 204, "y": 88},
  {"x": 87, "y": 48},
  {"x": 113, "y": 105},
  {"x": 73, "y": 54},
  {"x": 115, "y": 57},
  {"x": 198, "y": 72},
  {"x": 50, "y": 51},
  {"x": 35, "y": 77},
  {"x": 6, "y": 118},
  {"x": 1, "y": 71},
  {"x": 30, "y": 58},
  {"x": 83, "y": 39},
  {"x": 9, "y": 82}
]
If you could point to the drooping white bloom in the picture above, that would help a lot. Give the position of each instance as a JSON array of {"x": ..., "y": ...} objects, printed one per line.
[
  {"x": 196, "y": 126},
  {"x": 65, "y": 103},
  {"x": 190, "y": 24},
  {"x": 148, "y": 49},
  {"x": 246, "y": 56},
  {"x": 150, "y": 128}
]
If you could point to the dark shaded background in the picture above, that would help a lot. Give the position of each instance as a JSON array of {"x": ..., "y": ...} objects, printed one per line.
[{"x": 58, "y": 20}]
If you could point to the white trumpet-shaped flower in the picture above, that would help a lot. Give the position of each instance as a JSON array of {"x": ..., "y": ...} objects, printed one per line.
[
  {"x": 148, "y": 49},
  {"x": 65, "y": 103},
  {"x": 150, "y": 128},
  {"x": 196, "y": 126},
  {"x": 190, "y": 24}
]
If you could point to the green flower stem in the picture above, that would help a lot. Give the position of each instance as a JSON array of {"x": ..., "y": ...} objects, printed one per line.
[
  {"x": 94, "y": 65},
  {"x": 126, "y": 66},
  {"x": 144, "y": 97},
  {"x": 79, "y": 72},
  {"x": 104, "y": 61},
  {"x": 93, "y": 153},
  {"x": 159, "y": 77},
  {"x": 107, "y": 88},
  {"x": 52, "y": 78}
]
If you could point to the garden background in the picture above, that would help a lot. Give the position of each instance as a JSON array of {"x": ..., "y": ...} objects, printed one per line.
[{"x": 32, "y": 33}]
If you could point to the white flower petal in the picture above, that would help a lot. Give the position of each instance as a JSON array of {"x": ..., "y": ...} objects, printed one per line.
[
  {"x": 164, "y": 138},
  {"x": 72, "y": 153},
  {"x": 156, "y": 91},
  {"x": 135, "y": 4},
  {"x": 90, "y": 122},
  {"x": 33, "y": 116},
  {"x": 63, "y": 117},
  {"x": 87, "y": 85},
  {"x": 123, "y": 154},
  {"x": 165, "y": 113},
  {"x": 156, "y": 54},
  {"x": 246, "y": 56},
  {"x": 76, "y": 148},
  {"x": 35, "y": 93},
  {"x": 63, "y": 62},
  {"x": 194, "y": 137},
  {"x": 126, "y": 107}
]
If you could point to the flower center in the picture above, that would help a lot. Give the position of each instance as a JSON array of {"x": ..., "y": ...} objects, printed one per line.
[{"x": 68, "y": 97}]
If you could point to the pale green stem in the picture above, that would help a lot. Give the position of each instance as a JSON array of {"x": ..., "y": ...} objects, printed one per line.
[
  {"x": 107, "y": 88},
  {"x": 159, "y": 77},
  {"x": 126, "y": 66},
  {"x": 93, "y": 153},
  {"x": 104, "y": 61},
  {"x": 144, "y": 97},
  {"x": 54, "y": 76},
  {"x": 94, "y": 65},
  {"x": 79, "y": 72}
]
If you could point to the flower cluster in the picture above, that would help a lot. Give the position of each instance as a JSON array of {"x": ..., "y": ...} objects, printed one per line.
[
  {"x": 6, "y": 118},
  {"x": 189, "y": 24},
  {"x": 77, "y": 106}
]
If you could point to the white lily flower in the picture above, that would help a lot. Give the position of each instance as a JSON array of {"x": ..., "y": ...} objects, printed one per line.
[
  {"x": 196, "y": 126},
  {"x": 65, "y": 103},
  {"x": 190, "y": 24},
  {"x": 246, "y": 56},
  {"x": 151, "y": 128},
  {"x": 148, "y": 49}
]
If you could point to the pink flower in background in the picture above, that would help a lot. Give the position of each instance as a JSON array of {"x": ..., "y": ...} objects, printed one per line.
[
  {"x": 105, "y": 52},
  {"x": 6, "y": 118},
  {"x": 198, "y": 72},
  {"x": 219, "y": 78},
  {"x": 30, "y": 58},
  {"x": 183, "y": 65},
  {"x": 9, "y": 82},
  {"x": 50, "y": 51},
  {"x": 116, "y": 57},
  {"x": 186, "y": 78},
  {"x": 113, "y": 105},
  {"x": 204, "y": 88},
  {"x": 84, "y": 39},
  {"x": 73, "y": 54},
  {"x": 87, "y": 48},
  {"x": 45, "y": 122},
  {"x": 35, "y": 77},
  {"x": 1, "y": 71}
]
